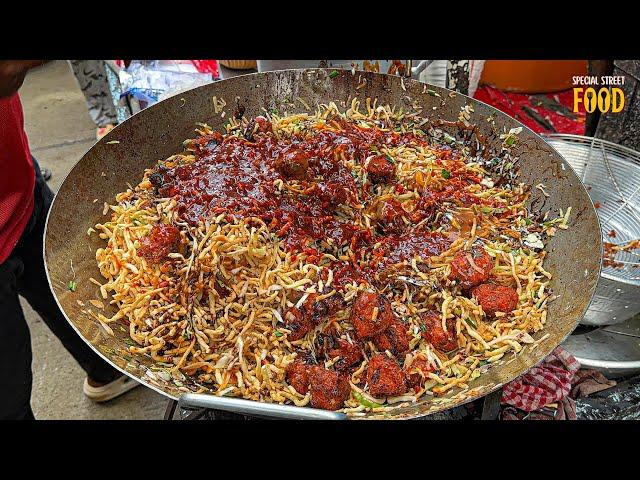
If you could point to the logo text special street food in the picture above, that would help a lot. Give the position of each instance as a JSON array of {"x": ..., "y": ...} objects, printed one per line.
[{"x": 601, "y": 92}]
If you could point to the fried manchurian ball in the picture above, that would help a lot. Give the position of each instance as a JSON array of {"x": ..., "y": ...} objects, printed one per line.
[
  {"x": 495, "y": 298},
  {"x": 371, "y": 314},
  {"x": 385, "y": 376},
  {"x": 329, "y": 389},
  {"x": 445, "y": 341},
  {"x": 471, "y": 268}
]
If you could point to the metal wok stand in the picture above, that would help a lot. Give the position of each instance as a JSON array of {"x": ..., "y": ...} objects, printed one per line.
[
  {"x": 193, "y": 406},
  {"x": 621, "y": 402}
]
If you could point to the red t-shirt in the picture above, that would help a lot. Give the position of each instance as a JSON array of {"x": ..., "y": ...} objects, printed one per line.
[{"x": 17, "y": 177}]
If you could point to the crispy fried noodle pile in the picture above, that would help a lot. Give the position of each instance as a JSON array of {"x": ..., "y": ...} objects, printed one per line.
[{"x": 351, "y": 261}]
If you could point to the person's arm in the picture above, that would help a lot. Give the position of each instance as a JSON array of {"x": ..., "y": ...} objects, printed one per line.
[{"x": 12, "y": 73}]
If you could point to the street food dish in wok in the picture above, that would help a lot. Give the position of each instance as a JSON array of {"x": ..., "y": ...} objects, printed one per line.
[{"x": 351, "y": 260}]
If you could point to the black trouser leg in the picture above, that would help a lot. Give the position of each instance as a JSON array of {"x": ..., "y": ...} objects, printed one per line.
[
  {"x": 34, "y": 287},
  {"x": 23, "y": 273},
  {"x": 15, "y": 352}
]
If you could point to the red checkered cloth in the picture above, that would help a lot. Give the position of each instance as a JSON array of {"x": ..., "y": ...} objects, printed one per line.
[{"x": 548, "y": 382}]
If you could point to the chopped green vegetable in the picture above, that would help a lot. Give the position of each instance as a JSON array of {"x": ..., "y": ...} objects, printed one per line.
[
  {"x": 423, "y": 327},
  {"x": 433, "y": 93},
  {"x": 333, "y": 74},
  {"x": 471, "y": 322},
  {"x": 389, "y": 159},
  {"x": 510, "y": 141},
  {"x": 483, "y": 363},
  {"x": 373, "y": 148},
  {"x": 129, "y": 342},
  {"x": 108, "y": 350},
  {"x": 448, "y": 138},
  {"x": 446, "y": 174},
  {"x": 486, "y": 209},
  {"x": 527, "y": 221},
  {"x": 278, "y": 333},
  {"x": 72, "y": 286},
  {"x": 365, "y": 402}
]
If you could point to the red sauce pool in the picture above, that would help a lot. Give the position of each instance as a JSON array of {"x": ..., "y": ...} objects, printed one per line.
[
  {"x": 236, "y": 176},
  {"x": 162, "y": 240}
]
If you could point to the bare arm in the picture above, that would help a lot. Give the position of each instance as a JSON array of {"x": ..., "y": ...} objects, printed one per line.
[{"x": 12, "y": 73}]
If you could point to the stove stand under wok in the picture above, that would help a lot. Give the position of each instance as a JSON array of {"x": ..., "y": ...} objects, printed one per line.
[{"x": 621, "y": 402}]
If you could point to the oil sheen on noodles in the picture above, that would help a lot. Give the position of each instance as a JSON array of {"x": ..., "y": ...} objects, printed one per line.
[{"x": 351, "y": 260}]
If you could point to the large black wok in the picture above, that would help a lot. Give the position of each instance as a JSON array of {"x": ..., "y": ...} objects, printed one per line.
[{"x": 574, "y": 255}]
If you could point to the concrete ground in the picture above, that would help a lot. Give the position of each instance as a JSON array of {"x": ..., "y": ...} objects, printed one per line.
[{"x": 60, "y": 131}]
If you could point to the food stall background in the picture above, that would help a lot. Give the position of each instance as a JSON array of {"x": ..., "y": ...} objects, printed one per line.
[{"x": 537, "y": 92}]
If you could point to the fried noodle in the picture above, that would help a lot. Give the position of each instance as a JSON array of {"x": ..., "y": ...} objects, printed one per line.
[{"x": 212, "y": 301}]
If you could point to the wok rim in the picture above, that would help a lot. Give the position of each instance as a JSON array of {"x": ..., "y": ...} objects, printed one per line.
[{"x": 486, "y": 389}]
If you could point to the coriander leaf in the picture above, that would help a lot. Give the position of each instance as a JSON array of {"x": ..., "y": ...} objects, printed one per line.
[
  {"x": 446, "y": 174},
  {"x": 333, "y": 74},
  {"x": 72, "y": 286}
]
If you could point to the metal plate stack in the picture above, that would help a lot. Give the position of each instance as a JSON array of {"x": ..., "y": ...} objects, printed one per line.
[{"x": 611, "y": 174}]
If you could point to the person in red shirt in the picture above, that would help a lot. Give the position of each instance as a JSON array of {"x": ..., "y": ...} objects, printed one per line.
[{"x": 24, "y": 202}]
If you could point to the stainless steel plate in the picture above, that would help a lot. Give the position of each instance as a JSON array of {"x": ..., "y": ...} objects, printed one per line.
[
  {"x": 614, "y": 350},
  {"x": 611, "y": 174}
]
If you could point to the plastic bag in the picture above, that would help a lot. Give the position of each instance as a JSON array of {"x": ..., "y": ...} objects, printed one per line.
[
  {"x": 207, "y": 66},
  {"x": 149, "y": 81}
]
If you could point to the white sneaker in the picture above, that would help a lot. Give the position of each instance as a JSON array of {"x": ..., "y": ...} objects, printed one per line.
[{"x": 109, "y": 390}]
